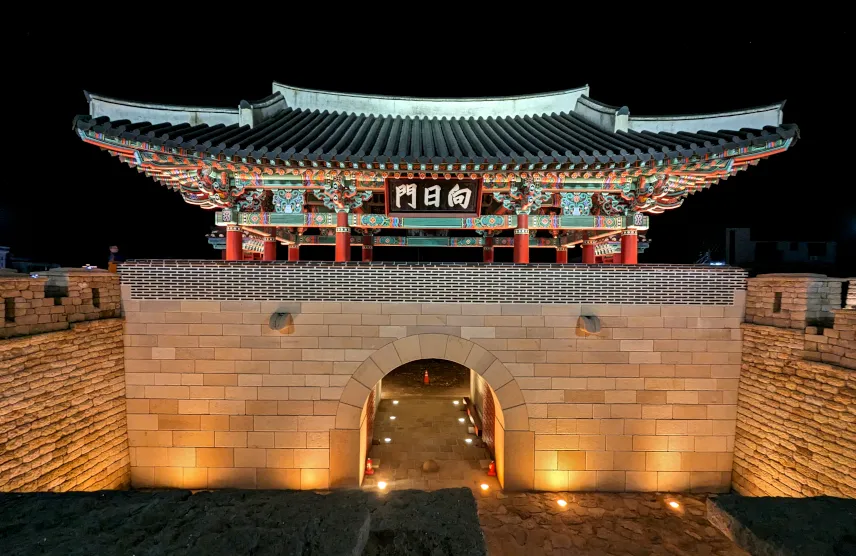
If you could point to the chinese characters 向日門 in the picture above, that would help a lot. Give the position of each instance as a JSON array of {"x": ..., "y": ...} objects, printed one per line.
[{"x": 416, "y": 197}]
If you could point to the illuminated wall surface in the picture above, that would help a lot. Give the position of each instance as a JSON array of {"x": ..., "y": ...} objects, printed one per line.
[
  {"x": 216, "y": 398},
  {"x": 62, "y": 383},
  {"x": 795, "y": 424},
  {"x": 211, "y": 396}
]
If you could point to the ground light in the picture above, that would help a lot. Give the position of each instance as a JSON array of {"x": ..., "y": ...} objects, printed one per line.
[
  {"x": 387, "y": 440},
  {"x": 484, "y": 486},
  {"x": 394, "y": 402},
  {"x": 674, "y": 505},
  {"x": 461, "y": 419},
  {"x": 381, "y": 485},
  {"x": 562, "y": 503},
  {"x": 392, "y": 417},
  {"x": 468, "y": 440},
  {"x": 456, "y": 402}
]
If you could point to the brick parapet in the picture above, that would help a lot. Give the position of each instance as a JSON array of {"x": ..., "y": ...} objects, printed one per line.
[
  {"x": 851, "y": 294},
  {"x": 53, "y": 299},
  {"x": 63, "y": 424}
]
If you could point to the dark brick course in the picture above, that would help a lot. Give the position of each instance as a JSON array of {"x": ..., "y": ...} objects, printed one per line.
[{"x": 432, "y": 282}]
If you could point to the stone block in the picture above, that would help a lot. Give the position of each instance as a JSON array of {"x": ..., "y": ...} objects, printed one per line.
[
  {"x": 549, "y": 481},
  {"x": 287, "y": 479},
  {"x": 314, "y": 479},
  {"x": 669, "y": 481},
  {"x": 280, "y": 458},
  {"x": 582, "y": 481},
  {"x": 520, "y": 449},
  {"x": 239, "y": 477},
  {"x": 571, "y": 460},
  {"x": 641, "y": 481}
]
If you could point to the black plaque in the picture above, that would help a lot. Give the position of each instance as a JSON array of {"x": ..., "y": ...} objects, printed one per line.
[{"x": 428, "y": 197}]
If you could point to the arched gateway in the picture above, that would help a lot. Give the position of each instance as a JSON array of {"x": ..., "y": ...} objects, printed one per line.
[{"x": 517, "y": 441}]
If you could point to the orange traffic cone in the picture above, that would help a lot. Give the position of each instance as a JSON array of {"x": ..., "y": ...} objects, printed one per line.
[
  {"x": 369, "y": 470},
  {"x": 425, "y": 379},
  {"x": 491, "y": 469}
]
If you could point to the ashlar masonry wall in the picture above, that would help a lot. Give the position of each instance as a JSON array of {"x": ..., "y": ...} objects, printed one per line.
[
  {"x": 796, "y": 421},
  {"x": 62, "y": 394},
  {"x": 216, "y": 398}
]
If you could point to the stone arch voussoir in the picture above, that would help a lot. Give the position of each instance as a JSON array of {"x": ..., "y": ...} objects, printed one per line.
[{"x": 432, "y": 346}]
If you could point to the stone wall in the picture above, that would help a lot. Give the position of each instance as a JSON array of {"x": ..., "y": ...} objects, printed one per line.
[
  {"x": 792, "y": 300},
  {"x": 836, "y": 345},
  {"x": 216, "y": 398},
  {"x": 796, "y": 422},
  {"x": 55, "y": 298},
  {"x": 62, "y": 409}
]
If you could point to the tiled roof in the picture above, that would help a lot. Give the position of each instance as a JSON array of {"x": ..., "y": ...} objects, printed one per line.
[{"x": 298, "y": 134}]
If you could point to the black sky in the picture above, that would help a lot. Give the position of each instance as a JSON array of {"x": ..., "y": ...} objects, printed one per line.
[{"x": 64, "y": 201}]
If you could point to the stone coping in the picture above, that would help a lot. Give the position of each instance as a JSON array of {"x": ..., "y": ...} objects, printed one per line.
[{"x": 820, "y": 526}]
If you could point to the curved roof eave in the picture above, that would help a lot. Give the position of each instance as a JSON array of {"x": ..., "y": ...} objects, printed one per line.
[
  {"x": 381, "y": 105},
  {"x": 753, "y": 118},
  {"x": 117, "y": 109}
]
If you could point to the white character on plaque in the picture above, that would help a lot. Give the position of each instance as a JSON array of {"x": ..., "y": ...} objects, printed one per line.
[
  {"x": 432, "y": 196},
  {"x": 459, "y": 196},
  {"x": 405, "y": 190}
]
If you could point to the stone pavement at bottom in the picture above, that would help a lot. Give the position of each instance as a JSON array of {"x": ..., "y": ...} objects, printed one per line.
[{"x": 597, "y": 524}]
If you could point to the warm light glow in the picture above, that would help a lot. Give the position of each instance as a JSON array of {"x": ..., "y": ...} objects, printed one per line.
[
  {"x": 674, "y": 504},
  {"x": 394, "y": 402},
  {"x": 468, "y": 440},
  {"x": 456, "y": 402},
  {"x": 392, "y": 417},
  {"x": 484, "y": 486},
  {"x": 562, "y": 503},
  {"x": 387, "y": 440},
  {"x": 381, "y": 485},
  {"x": 461, "y": 419}
]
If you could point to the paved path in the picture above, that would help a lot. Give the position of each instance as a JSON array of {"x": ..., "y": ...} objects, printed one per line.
[
  {"x": 427, "y": 428},
  {"x": 634, "y": 524}
]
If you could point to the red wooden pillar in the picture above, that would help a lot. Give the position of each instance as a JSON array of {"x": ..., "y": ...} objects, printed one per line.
[
  {"x": 294, "y": 252},
  {"x": 487, "y": 251},
  {"x": 367, "y": 247},
  {"x": 343, "y": 238},
  {"x": 269, "y": 249},
  {"x": 562, "y": 255},
  {"x": 521, "y": 240},
  {"x": 234, "y": 243},
  {"x": 588, "y": 252},
  {"x": 629, "y": 247},
  {"x": 617, "y": 259}
]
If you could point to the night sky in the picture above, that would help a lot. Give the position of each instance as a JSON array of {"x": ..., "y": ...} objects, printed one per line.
[{"x": 64, "y": 201}]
